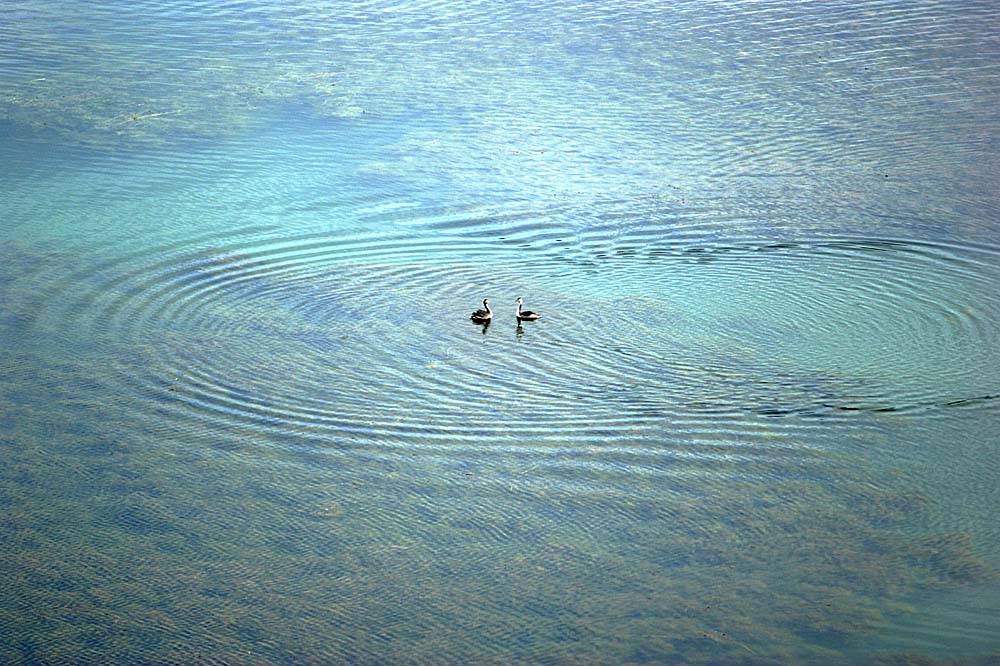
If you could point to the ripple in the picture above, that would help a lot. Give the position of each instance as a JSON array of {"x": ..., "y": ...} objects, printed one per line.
[
  {"x": 245, "y": 241},
  {"x": 668, "y": 319}
]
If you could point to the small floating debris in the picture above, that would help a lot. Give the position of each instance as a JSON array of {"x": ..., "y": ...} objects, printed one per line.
[{"x": 134, "y": 118}]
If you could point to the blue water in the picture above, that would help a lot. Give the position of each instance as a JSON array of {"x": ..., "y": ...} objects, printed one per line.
[{"x": 244, "y": 417}]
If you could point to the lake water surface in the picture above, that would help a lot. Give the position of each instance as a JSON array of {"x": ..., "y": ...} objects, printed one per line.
[{"x": 244, "y": 418}]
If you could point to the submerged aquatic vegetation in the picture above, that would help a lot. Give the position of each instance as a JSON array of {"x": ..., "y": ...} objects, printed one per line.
[
  {"x": 134, "y": 529},
  {"x": 238, "y": 426},
  {"x": 159, "y": 543}
]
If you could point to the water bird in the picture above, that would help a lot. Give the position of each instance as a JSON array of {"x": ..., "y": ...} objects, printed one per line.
[
  {"x": 484, "y": 315},
  {"x": 525, "y": 315}
]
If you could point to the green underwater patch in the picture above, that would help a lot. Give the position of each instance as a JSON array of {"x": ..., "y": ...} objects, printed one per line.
[{"x": 140, "y": 525}]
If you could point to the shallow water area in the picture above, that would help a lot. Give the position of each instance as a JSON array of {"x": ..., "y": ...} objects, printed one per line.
[{"x": 244, "y": 417}]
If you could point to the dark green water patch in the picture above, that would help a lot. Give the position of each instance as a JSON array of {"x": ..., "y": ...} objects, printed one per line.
[
  {"x": 172, "y": 546},
  {"x": 244, "y": 418}
]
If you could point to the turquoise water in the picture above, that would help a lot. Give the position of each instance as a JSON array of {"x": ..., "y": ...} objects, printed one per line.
[{"x": 244, "y": 417}]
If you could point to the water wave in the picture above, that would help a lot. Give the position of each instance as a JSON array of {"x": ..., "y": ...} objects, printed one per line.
[{"x": 361, "y": 338}]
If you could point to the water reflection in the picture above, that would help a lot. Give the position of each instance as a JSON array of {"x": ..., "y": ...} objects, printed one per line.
[{"x": 206, "y": 371}]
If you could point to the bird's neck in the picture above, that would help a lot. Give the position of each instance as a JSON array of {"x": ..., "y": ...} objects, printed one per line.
[{"x": 487, "y": 306}]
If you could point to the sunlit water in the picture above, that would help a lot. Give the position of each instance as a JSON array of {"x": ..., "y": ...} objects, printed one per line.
[{"x": 244, "y": 417}]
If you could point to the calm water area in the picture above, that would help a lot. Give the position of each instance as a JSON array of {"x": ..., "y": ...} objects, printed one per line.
[{"x": 244, "y": 416}]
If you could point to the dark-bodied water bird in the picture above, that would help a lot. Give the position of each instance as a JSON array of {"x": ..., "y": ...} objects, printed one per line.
[
  {"x": 525, "y": 315},
  {"x": 483, "y": 316}
]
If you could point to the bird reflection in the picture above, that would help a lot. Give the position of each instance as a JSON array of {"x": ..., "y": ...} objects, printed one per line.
[
  {"x": 519, "y": 331},
  {"x": 486, "y": 325}
]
